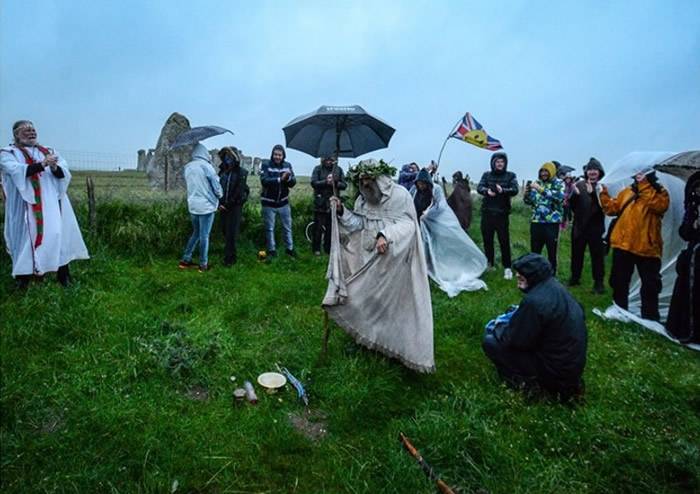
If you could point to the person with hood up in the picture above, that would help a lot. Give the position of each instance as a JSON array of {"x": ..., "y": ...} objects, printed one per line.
[
  {"x": 327, "y": 179},
  {"x": 460, "y": 200},
  {"x": 543, "y": 342},
  {"x": 203, "y": 193},
  {"x": 636, "y": 240},
  {"x": 235, "y": 193},
  {"x": 589, "y": 226},
  {"x": 683, "y": 320},
  {"x": 277, "y": 177},
  {"x": 546, "y": 196},
  {"x": 408, "y": 174},
  {"x": 497, "y": 187},
  {"x": 454, "y": 261},
  {"x": 378, "y": 289}
]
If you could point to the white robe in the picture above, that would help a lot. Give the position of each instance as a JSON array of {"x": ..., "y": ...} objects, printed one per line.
[
  {"x": 383, "y": 301},
  {"x": 454, "y": 260},
  {"x": 62, "y": 241}
]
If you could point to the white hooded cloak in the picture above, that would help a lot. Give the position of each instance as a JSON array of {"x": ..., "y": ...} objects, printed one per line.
[{"x": 382, "y": 300}]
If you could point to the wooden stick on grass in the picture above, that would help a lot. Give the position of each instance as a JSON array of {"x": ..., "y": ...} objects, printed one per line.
[{"x": 427, "y": 469}]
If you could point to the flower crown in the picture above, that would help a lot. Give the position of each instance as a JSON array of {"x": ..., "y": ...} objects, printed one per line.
[{"x": 370, "y": 168}]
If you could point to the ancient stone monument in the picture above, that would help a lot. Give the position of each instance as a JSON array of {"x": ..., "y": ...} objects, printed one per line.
[
  {"x": 143, "y": 158},
  {"x": 164, "y": 169},
  {"x": 164, "y": 166}
]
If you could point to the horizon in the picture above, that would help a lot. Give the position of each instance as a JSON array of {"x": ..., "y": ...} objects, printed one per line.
[{"x": 557, "y": 81}]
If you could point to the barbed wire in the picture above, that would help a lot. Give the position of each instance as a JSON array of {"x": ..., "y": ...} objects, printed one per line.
[{"x": 99, "y": 161}]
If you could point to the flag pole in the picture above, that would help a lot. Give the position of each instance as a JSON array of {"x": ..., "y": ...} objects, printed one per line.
[
  {"x": 447, "y": 139},
  {"x": 442, "y": 149}
]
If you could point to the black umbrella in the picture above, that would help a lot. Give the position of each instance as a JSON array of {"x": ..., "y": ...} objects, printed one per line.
[
  {"x": 343, "y": 131},
  {"x": 196, "y": 134},
  {"x": 564, "y": 169}
]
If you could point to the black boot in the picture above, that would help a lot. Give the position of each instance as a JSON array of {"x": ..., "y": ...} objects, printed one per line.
[
  {"x": 63, "y": 276},
  {"x": 22, "y": 281}
]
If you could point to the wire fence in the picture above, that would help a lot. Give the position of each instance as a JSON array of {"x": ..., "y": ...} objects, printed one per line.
[{"x": 99, "y": 161}]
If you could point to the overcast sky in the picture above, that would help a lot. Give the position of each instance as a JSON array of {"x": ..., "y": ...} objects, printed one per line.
[{"x": 552, "y": 80}]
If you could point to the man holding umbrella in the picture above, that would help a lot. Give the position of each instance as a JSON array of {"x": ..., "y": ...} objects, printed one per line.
[
  {"x": 277, "y": 177},
  {"x": 327, "y": 179},
  {"x": 331, "y": 132}
]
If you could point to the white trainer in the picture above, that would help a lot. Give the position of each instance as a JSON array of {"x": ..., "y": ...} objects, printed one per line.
[{"x": 507, "y": 274}]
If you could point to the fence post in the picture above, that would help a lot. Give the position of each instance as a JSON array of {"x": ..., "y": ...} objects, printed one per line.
[{"x": 92, "y": 211}]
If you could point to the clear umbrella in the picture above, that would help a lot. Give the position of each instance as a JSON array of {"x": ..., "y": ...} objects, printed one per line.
[{"x": 197, "y": 134}]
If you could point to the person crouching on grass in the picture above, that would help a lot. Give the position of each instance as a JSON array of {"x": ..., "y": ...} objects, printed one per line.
[
  {"x": 203, "y": 193},
  {"x": 542, "y": 343}
]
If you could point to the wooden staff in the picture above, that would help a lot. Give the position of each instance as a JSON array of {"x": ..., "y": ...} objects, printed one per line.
[
  {"x": 326, "y": 324},
  {"x": 326, "y": 333}
]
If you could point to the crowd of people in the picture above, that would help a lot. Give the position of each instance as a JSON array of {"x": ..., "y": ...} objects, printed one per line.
[{"x": 396, "y": 237}]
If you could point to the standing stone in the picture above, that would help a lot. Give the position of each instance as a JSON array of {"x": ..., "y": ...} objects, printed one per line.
[
  {"x": 141, "y": 160},
  {"x": 256, "y": 165},
  {"x": 175, "y": 160}
]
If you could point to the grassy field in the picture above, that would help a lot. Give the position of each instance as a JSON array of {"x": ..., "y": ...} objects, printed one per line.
[{"x": 123, "y": 383}]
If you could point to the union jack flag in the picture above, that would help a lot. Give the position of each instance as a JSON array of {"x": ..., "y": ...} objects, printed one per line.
[{"x": 471, "y": 131}]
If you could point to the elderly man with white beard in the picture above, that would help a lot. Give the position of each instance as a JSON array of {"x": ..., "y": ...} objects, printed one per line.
[
  {"x": 41, "y": 231},
  {"x": 378, "y": 288}
]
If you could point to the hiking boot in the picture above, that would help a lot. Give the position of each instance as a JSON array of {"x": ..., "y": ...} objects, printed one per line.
[
  {"x": 507, "y": 274},
  {"x": 186, "y": 264},
  {"x": 203, "y": 268},
  {"x": 271, "y": 253},
  {"x": 573, "y": 282},
  {"x": 229, "y": 262},
  {"x": 291, "y": 253}
]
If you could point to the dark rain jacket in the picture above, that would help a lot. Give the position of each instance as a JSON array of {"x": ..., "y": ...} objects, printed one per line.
[
  {"x": 549, "y": 323},
  {"x": 323, "y": 190},
  {"x": 500, "y": 203},
  {"x": 275, "y": 191},
  {"x": 588, "y": 213},
  {"x": 234, "y": 186}
]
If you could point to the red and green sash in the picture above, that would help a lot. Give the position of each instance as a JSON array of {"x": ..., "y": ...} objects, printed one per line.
[{"x": 36, "y": 186}]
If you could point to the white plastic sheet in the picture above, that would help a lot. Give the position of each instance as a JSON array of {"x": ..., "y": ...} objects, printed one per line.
[
  {"x": 454, "y": 260},
  {"x": 616, "y": 313},
  {"x": 620, "y": 176}
]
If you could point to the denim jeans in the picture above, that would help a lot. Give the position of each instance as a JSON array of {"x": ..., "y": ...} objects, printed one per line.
[
  {"x": 201, "y": 227},
  {"x": 285, "y": 213}
]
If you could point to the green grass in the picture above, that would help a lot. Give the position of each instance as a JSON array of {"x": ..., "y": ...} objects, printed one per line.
[{"x": 97, "y": 380}]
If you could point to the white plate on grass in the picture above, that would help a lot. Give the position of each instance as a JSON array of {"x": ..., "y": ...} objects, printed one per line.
[{"x": 272, "y": 380}]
